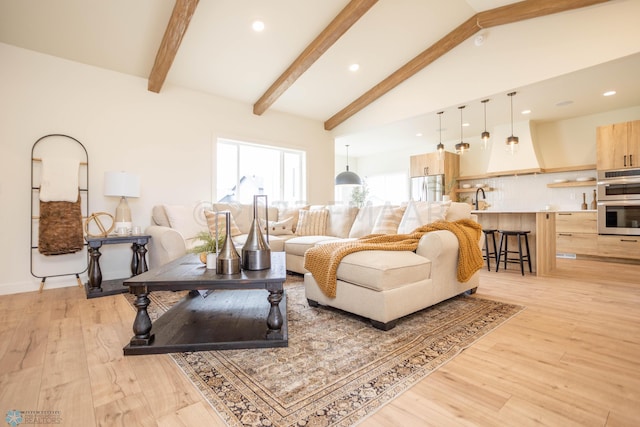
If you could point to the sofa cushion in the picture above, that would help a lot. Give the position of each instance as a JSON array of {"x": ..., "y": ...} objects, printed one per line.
[
  {"x": 312, "y": 222},
  {"x": 340, "y": 220},
  {"x": 420, "y": 213},
  {"x": 388, "y": 220},
  {"x": 221, "y": 222},
  {"x": 182, "y": 219},
  {"x": 298, "y": 245},
  {"x": 383, "y": 270},
  {"x": 365, "y": 220}
]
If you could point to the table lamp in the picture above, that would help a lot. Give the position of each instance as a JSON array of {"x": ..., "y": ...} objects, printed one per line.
[{"x": 123, "y": 185}]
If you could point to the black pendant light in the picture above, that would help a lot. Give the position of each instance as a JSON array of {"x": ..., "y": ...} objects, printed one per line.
[
  {"x": 512, "y": 141},
  {"x": 462, "y": 147},
  {"x": 347, "y": 177},
  {"x": 485, "y": 135},
  {"x": 440, "y": 146}
]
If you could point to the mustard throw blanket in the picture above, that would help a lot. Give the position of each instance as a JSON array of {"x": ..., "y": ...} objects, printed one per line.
[{"x": 323, "y": 260}]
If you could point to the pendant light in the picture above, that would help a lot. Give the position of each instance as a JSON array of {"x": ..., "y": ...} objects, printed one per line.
[
  {"x": 440, "y": 146},
  {"x": 462, "y": 147},
  {"x": 485, "y": 135},
  {"x": 512, "y": 141},
  {"x": 347, "y": 177}
]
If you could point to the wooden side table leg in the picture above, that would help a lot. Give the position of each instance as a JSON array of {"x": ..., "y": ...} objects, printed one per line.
[
  {"x": 142, "y": 322},
  {"x": 274, "y": 319},
  {"x": 142, "y": 258},
  {"x": 95, "y": 273},
  {"x": 134, "y": 259}
]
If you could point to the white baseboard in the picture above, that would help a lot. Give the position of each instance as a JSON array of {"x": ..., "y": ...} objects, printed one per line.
[{"x": 34, "y": 284}]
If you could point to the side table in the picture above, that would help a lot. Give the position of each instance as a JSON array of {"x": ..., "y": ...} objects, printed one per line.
[{"x": 95, "y": 287}]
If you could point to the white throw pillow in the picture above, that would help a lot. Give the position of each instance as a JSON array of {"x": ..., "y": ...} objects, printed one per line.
[
  {"x": 421, "y": 213},
  {"x": 340, "y": 220},
  {"x": 365, "y": 220},
  {"x": 278, "y": 228},
  {"x": 312, "y": 222},
  {"x": 388, "y": 220}
]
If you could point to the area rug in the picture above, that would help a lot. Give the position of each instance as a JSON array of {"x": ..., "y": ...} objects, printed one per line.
[{"x": 337, "y": 369}]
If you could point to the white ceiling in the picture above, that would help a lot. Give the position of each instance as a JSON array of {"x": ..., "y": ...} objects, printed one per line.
[{"x": 221, "y": 55}]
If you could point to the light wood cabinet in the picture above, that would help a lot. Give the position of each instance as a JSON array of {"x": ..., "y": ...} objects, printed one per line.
[
  {"x": 618, "y": 145},
  {"x": 432, "y": 164},
  {"x": 577, "y": 233},
  {"x": 619, "y": 246}
]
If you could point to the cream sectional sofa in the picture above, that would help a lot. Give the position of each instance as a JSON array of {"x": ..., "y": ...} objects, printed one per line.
[{"x": 382, "y": 286}]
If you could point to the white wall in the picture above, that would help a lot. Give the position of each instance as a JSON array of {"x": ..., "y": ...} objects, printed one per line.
[{"x": 166, "y": 138}]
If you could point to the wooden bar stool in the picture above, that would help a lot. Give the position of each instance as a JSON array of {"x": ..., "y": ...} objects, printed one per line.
[
  {"x": 504, "y": 249},
  {"x": 488, "y": 253}
]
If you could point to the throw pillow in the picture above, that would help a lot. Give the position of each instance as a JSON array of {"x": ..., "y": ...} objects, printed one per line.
[
  {"x": 278, "y": 228},
  {"x": 312, "y": 222},
  {"x": 212, "y": 218},
  {"x": 365, "y": 220},
  {"x": 340, "y": 220},
  {"x": 421, "y": 213},
  {"x": 388, "y": 220},
  {"x": 285, "y": 212},
  {"x": 182, "y": 219}
]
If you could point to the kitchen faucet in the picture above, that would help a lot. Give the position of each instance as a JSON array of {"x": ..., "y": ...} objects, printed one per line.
[{"x": 484, "y": 197}]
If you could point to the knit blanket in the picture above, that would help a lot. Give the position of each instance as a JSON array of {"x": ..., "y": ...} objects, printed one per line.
[{"x": 323, "y": 260}]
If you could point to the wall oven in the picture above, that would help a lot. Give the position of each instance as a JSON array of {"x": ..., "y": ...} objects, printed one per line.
[{"x": 619, "y": 202}]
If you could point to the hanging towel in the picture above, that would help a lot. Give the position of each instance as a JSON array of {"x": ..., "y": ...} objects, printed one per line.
[
  {"x": 59, "y": 179},
  {"x": 60, "y": 227}
]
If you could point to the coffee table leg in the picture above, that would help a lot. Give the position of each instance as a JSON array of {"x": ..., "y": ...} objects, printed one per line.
[
  {"x": 274, "y": 319},
  {"x": 142, "y": 322}
]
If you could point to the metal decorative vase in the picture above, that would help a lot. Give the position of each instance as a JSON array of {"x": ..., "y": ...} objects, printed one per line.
[
  {"x": 256, "y": 254},
  {"x": 228, "y": 261}
]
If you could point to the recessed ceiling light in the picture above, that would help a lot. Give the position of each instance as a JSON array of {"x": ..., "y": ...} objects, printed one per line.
[
  {"x": 525, "y": 112},
  {"x": 354, "y": 67},
  {"x": 257, "y": 26},
  {"x": 609, "y": 93},
  {"x": 465, "y": 125},
  {"x": 419, "y": 134}
]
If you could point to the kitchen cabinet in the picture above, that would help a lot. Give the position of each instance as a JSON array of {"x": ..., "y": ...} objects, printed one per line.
[
  {"x": 619, "y": 246},
  {"x": 618, "y": 145},
  {"x": 577, "y": 233},
  {"x": 433, "y": 164}
]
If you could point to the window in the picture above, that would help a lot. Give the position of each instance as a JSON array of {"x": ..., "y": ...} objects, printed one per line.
[{"x": 244, "y": 170}]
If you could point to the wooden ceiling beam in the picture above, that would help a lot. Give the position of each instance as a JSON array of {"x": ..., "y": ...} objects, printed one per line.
[
  {"x": 176, "y": 28},
  {"x": 499, "y": 16},
  {"x": 340, "y": 24}
]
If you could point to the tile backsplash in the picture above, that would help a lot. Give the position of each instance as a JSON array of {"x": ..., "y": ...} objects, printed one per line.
[{"x": 530, "y": 192}]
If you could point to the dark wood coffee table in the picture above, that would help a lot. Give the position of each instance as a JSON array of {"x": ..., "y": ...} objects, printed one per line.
[{"x": 236, "y": 312}]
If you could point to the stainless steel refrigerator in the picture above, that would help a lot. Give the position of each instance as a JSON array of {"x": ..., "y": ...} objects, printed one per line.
[{"x": 429, "y": 188}]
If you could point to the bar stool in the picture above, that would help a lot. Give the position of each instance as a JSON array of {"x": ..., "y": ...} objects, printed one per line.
[
  {"x": 488, "y": 254},
  {"x": 504, "y": 243}
]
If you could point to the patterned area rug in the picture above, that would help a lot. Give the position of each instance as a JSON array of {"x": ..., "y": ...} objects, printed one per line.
[{"x": 337, "y": 369}]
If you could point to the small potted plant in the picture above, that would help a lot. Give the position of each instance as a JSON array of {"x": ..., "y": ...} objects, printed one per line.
[{"x": 207, "y": 245}]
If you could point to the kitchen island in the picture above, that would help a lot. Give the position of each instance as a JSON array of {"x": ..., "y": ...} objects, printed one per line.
[{"x": 542, "y": 239}]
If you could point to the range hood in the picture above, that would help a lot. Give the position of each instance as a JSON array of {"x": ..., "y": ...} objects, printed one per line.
[{"x": 525, "y": 160}]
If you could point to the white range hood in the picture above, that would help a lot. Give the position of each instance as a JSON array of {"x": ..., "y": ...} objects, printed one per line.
[{"x": 525, "y": 160}]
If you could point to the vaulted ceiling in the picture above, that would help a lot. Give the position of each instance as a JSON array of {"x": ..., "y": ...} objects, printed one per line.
[{"x": 416, "y": 56}]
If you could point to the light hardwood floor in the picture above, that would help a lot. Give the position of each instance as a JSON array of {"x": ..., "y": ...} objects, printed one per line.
[{"x": 572, "y": 357}]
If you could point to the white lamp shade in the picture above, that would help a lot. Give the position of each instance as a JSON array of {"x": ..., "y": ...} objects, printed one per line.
[{"x": 121, "y": 184}]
